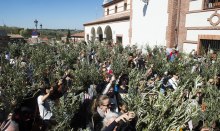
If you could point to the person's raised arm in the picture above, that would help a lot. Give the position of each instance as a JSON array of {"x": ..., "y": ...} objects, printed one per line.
[
  {"x": 125, "y": 117},
  {"x": 109, "y": 85},
  {"x": 46, "y": 96}
]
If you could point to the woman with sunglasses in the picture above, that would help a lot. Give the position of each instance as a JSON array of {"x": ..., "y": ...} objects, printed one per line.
[
  {"x": 100, "y": 108},
  {"x": 110, "y": 92}
]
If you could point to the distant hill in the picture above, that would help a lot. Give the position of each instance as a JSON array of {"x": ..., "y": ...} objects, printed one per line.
[{"x": 49, "y": 33}]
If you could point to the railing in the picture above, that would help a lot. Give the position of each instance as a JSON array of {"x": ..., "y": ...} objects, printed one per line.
[{"x": 211, "y": 4}]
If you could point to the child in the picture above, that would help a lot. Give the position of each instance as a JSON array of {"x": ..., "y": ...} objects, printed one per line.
[
  {"x": 122, "y": 107},
  {"x": 125, "y": 126}
]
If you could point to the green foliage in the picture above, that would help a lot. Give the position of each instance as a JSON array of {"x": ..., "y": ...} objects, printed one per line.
[
  {"x": 67, "y": 41},
  {"x": 155, "y": 111},
  {"x": 211, "y": 114},
  {"x": 104, "y": 52},
  {"x": 159, "y": 60},
  {"x": 13, "y": 81},
  {"x": 16, "y": 49},
  {"x": 66, "y": 110},
  {"x": 29, "y": 32},
  {"x": 24, "y": 33},
  {"x": 11, "y": 30},
  {"x": 119, "y": 65},
  {"x": 109, "y": 42},
  {"x": 68, "y": 36},
  {"x": 59, "y": 36},
  {"x": 86, "y": 74},
  {"x": 82, "y": 41},
  {"x": 118, "y": 49},
  {"x": 43, "y": 57}
]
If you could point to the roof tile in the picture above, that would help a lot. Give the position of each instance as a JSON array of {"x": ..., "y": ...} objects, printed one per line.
[
  {"x": 82, "y": 34},
  {"x": 15, "y": 36}
]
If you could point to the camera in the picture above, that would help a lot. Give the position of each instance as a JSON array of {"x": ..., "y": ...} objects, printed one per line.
[{"x": 112, "y": 107}]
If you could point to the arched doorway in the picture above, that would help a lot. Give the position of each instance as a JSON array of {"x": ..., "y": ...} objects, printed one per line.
[
  {"x": 99, "y": 34},
  {"x": 93, "y": 36},
  {"x": 108, "y": 33}
]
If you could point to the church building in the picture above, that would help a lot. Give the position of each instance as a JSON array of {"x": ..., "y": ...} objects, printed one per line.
[{"x": 189, "y": 24}]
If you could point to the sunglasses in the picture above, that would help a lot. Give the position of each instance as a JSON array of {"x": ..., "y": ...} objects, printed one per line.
[{"x": 107, "y": 105}]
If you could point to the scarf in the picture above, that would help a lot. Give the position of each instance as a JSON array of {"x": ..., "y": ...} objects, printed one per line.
[{"x": 101, "y": 112}]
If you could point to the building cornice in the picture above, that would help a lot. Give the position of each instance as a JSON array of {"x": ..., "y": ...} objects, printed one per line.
[
  {"x": 113, "y": 18},
  {"x": 111, "y": 3},
  {"x": 107, "y": 21}
]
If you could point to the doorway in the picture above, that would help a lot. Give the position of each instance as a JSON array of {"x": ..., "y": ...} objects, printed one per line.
[
  {"x": 100, "y": 37},
  {"x": 210, "y": 45},
  {"x": 119, "y": 39}
]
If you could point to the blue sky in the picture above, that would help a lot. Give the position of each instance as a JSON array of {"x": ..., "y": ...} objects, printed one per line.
[{"x": 53, "y": 14}]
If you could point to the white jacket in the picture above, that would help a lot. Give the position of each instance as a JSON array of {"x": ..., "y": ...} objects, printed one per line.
[{"x": 174, "y": 83}]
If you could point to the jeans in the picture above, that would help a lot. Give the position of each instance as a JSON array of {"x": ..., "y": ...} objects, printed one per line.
[{"x": 45, "y": 124}]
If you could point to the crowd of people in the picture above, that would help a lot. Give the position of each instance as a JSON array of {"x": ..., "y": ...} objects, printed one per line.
[{"x": 103, "y": 105}]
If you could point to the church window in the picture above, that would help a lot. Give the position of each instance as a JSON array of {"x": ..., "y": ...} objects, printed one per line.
[
  {"x": 211, "y": 3},
  {"x": 125, "y": 6},
  {"x": 87, "y": 37},
  {"x": 107, "y": 11},
  {"x": 116, "y": 9}
]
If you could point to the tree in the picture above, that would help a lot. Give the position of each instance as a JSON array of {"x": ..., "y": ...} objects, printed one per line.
[
  {"x": 29, "y": 32},
  {"x": 24, "y": 33},
  {"x": 68, "y": 36},
  {"x": 59, "y": 36}
]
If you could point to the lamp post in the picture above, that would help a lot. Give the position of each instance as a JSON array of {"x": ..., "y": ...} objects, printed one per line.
[
  {"x": 41, "y": 33},
  {"x": 36, "y": 22},
  {"x": 146, "y": 1}
]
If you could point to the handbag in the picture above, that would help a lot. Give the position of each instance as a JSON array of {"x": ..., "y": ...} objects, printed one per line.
[{"x": 36, "y": 126}]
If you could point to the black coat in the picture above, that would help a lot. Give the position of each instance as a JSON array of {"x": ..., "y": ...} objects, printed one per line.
[
  {"x": 121, "y": 127},
  {"x": 97, "y": 120}
]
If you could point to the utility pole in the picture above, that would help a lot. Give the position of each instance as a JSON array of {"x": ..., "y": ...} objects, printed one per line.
[
  {"x": 41, "y": 33},
  {"x": 36, "y": 22}
]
